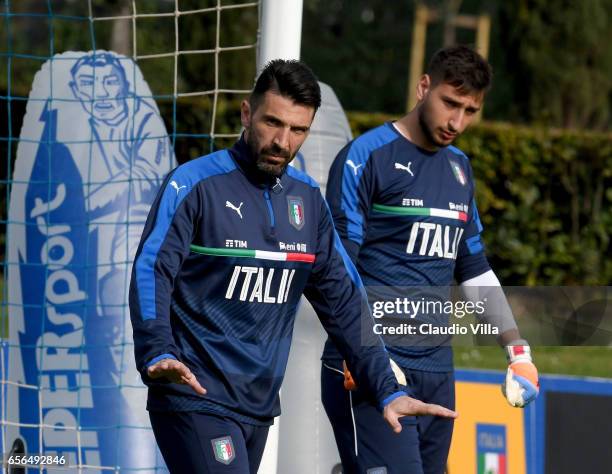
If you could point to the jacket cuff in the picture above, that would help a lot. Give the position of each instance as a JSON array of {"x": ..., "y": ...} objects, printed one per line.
[
  {"x": 390, "y": 398},
  {"x": 160, "y": 357}
]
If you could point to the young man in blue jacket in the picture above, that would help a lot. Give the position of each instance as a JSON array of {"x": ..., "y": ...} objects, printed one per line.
[
  {"x": 232, "y": 241},
  {"x": 402, "y": 199}
]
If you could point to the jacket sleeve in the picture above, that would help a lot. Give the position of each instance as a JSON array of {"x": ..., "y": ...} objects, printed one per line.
[
  {"x": 163, "y": 247},
  {"x": 349, "y": 194},
  {"x": 337, "y": 295},
  {"x": 471, "y": 258}
]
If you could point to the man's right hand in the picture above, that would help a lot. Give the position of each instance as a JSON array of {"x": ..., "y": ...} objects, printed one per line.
[
  {"x": 407, "y": 406},
  {"x": 176, "y": 372}
]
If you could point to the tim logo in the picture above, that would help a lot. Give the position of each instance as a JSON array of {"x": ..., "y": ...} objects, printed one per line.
[{"x": 491, "y": 449}]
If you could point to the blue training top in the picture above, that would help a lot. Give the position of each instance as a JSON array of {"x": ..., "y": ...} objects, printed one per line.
[
  {"x": 407, "y": 217},
  {"x": 224, "y": 258}
]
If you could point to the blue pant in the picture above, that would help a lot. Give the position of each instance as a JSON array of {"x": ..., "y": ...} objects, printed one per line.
[
  {"x": 195, "y": 442},
  {"x": 366, "y": 443}
]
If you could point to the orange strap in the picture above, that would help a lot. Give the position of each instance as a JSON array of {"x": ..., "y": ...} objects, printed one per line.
[{"x": 349, "y": 382}]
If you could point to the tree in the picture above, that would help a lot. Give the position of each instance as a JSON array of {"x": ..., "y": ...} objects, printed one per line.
[{"x": 563, "y": 60}]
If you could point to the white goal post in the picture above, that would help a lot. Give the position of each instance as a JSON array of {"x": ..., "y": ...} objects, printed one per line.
[{"x": 301, "y": 440}]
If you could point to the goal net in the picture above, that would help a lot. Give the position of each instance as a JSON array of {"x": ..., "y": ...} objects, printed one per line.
[{"x": 98, "y": 101}]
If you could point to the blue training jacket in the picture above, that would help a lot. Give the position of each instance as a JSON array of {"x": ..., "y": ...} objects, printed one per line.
[
  {"x": 224, "y": 258},
  {"x": 407, "y": 217}
]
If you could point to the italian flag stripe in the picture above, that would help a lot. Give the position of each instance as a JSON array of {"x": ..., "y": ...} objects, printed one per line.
[
  {"x": 260, "y": 254},
  {"x": 420, "y": 211},
  {"x": 481, "y": 464},
  {"x": 491, "y": 463}
]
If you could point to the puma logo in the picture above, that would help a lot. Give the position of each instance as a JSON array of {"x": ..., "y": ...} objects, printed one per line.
[
  {"x": 237, "y": 209},
  {"x": 176, "y": 186},
  {"x": 399, "y": 166},
  {"x": 354, "y": 166}
]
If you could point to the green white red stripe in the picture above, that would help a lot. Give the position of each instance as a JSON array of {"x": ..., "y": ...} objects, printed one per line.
[
  {"x": 491, "y": 463},
  {"x": 250, "y": 253},
  {"x": 420, "y": 211}
]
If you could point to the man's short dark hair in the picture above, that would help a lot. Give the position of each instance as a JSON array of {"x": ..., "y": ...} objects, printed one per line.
[
  {"x": 461, "y": 67},
  {"x": 289, "y": 78}
]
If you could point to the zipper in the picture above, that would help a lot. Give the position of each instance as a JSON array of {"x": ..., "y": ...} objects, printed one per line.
[{"x": 270, "y": 209}]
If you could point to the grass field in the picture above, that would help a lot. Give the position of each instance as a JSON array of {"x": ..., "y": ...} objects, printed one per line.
[
  {"x": 581, "y": 361},
  {"x": 575, "y": 360}
]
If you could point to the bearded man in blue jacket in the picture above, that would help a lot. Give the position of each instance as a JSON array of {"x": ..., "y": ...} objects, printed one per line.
[{"x": 232, "y": 241}]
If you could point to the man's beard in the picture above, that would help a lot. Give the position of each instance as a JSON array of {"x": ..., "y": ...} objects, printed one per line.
[
  {"x": 427, "y": 129},
  {"x": 274, "y": 149}
]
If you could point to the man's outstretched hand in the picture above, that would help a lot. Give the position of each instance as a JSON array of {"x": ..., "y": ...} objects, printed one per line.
[
  {"x": 176, "y": 372},
  {"x": 406, "y": 406}
]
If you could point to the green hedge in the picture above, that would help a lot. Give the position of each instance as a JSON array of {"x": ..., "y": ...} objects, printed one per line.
[{"x": 544, "y": 198}]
